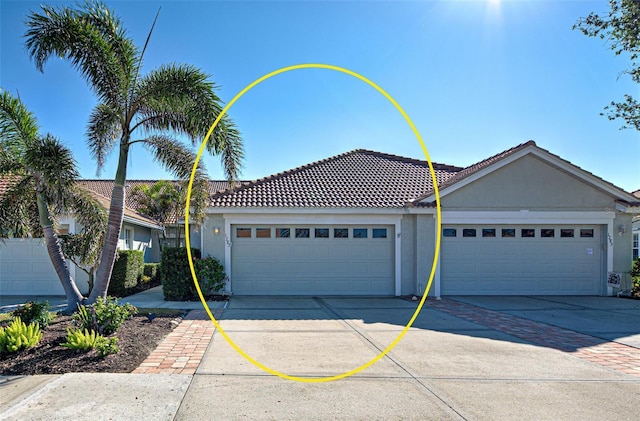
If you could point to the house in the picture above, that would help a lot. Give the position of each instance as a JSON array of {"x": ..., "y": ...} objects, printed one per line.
[
  {"x": 522, "y": 222},
  {"x": 25, "y": 266},
  {"x": 636, "y": 231}
]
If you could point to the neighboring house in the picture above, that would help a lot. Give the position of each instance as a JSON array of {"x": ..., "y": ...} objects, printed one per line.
[
  {"x": 26, "y": 269},
  {"x": 174, "y": 231},
  {"x": 522, "y": 222}
]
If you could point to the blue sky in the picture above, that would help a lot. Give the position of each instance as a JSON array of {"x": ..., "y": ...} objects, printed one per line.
[{"x": 476, "y": 78}]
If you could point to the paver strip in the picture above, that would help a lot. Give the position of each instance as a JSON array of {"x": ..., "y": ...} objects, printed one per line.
[
  {"x": 619, "y": 357},
  {"x": 182, "y": 350}
]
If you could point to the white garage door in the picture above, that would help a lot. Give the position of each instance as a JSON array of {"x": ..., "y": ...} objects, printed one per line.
[
  {"x": 521, "y": 260},
  {"x": 25, "y": 269},
  {"x": 312, "y": 260}
]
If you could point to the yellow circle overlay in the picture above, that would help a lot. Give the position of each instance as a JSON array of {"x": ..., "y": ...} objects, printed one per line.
[{"x": 438, "y": 220}]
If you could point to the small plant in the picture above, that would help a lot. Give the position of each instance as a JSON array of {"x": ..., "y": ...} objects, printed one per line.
[
  {"x": 104, "y": 317},
  {"x": 18, "y": 335},
  {"x": 210, "y": 274},
  {"x": 81, "y": 339},
  {"x": 34, "y": 312},
  {"x": 106, "y": 346}
]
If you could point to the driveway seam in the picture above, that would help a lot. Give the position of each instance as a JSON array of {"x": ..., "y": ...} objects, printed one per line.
[{"x": 426, "y": 387}]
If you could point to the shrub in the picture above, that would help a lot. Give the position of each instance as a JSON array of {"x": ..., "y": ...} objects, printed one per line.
[
  {"x": 151, "y": 270},
  {"x": 127, "y": 269},
  {"x": 106, "y": 346},
  {"x": 211, "y": 274},
  {"x": 635, "y": 276},
  {"x": 105, "y": 316},
  {"x": 18, "y": 335},
  {"x": 34, "y": 312},
  {"x": 177, "y": 283},
  {"x": 83, "y": 340}
]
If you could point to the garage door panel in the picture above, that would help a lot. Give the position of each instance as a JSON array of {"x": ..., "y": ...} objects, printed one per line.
[
  {"x": 538, "y": 265},
  {"x": 313, "y": 266}
]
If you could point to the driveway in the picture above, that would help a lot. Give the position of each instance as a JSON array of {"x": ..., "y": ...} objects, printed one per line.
[{"x": 464, "y": 358}]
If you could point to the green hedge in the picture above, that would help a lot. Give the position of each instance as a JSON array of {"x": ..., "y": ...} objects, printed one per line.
[
  {"x": 126, "y": 273},
  {"x": 177, "y": 283},
  {"x": 152, "y": 271}
]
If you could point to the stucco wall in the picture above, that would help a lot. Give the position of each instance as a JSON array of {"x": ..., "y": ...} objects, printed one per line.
[
  {"x": 622, "y": 244},
  {"x": 424, "y": 249},
  {"x": 527, "y": 183},
  {"x": 213, "y": 245},
  {"x": 408, "y": 254}
]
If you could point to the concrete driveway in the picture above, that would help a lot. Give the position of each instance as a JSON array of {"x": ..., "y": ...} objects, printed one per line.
[{"x": 468, "y": 358}]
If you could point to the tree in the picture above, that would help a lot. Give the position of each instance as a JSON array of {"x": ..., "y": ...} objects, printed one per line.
[
  {"x": 164, "y": 201},
  {"x": 42, "y": 185},
  {"x": 620, "y": 28},
  {"x": 152, "y": 110}
]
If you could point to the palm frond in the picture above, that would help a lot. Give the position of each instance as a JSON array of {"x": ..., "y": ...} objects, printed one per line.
[
  {"x": 92, "y": 39},
  {"x": 55, "y": 169},
  {"x": 227, "y": 142},
  {"x": 18, "y": 210},
  {"x": 18, "y": 126},
  {"x": 103, "y": 131},
  {"x": 179, "y": 98},
  {"x": 172, "y": 154}
]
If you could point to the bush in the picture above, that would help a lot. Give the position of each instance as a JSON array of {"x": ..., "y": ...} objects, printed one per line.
[
  {"x": 34, "y": 312},
  {"x": 211, "y": 274},
  {"x": 177, "y": 283},
  {"x": 105, "y": 316},
  {"x": 635, "y": 276},
  {"x": 151, "y": 270},
  {"x": 127, "y": 269},
  {"x": 106, "y": 346},
  {"x": 82, "y": 340},
  {"x": 18, "y": 335}
]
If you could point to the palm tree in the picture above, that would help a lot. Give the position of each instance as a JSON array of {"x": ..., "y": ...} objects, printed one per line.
[
  {"x": 152, "y": 110},
  {"x": 42, "y": 175}
]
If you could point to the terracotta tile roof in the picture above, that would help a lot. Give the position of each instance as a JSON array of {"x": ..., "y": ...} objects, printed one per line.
[
  {"x": 356, "y": 179},
  {"x": 8, "y": 180}
]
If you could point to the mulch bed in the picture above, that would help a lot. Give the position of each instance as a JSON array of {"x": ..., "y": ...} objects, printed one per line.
[{"x": 137, "y": 338}]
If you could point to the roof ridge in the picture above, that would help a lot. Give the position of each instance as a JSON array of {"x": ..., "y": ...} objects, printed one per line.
[{"x": 410, "y": 160}]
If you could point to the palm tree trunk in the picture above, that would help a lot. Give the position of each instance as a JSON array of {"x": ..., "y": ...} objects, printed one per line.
[
  {"x": 74, "y": 297},
  {"x": 114, "y": 225}
]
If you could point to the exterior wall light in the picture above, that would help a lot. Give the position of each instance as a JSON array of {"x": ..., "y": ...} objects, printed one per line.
[
  {"x": 622, "y": 230},
  {"x": 216, "y": 230}
]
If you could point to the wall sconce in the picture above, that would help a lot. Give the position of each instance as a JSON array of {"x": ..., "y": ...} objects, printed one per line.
[
  {"x": 622, "y": 230},
  {"x": 216, "y": 230}
]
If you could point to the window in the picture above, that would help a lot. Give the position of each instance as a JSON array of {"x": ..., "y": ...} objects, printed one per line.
[
  {"x": 63, "y": 229},
  {"x": 488, "y": 232},
  {"x": 508, "y": 232},
  {"x": 322, "y": 232},
  {"x": 527, "y": 232},
  {"x": 449, "y": 232},
  {"x": 283, "y": 233},
  {"x": 263, "y": 232},
  {"x": 127, "y": 237},
  {"x": 379, "y": 233},
  {"x": 341, "y": 233},
  {"x": 566, "y": 233},
  {"x": 302, "y": 232},
  {"x": 243, "y": 232},
  {"x": 359, "y": 233},
  {"x": 587, "y": 233},
  {"x": 547, "y": 232},
  {"x": 469, "y": 232},
  {"x": 635, "y": 246}
]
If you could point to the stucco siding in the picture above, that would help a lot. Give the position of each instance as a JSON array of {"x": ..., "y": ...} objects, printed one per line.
[
  {"x": 213, "y": 245},
  {"x": 527, "y": 183},
  {"x": 424, "y": 249},
  {"x": 408, "y": 254},
  {"x": 622, "y": 244}
]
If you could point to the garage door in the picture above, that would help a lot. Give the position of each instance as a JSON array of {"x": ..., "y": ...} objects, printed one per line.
[
  {"x": 521, "y": 260},
  {"x": 25, "y": 269},
  {"x": 312, "y": 260}
]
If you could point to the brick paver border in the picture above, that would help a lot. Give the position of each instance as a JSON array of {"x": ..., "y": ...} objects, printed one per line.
[
  {"x": 619, "y": 357},
  {"x": 182, "y": 350}
]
